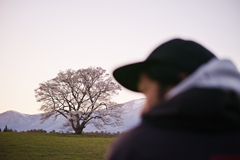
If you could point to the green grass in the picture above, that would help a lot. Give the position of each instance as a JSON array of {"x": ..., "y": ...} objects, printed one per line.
[{"x": 52, "y": 146}]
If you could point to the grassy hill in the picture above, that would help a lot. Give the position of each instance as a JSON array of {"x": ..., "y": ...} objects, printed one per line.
[{"x": 52, "y": 146}]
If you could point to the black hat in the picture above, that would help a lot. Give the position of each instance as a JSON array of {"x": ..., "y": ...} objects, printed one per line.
[{"x": 176, "y": 54}]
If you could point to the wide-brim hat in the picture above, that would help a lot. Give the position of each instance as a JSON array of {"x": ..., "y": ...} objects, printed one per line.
[{"x": 177, "y": 54}]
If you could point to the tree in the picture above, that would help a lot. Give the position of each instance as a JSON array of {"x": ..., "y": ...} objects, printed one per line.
[
  {"x": 5, "y": 129},
  {"x": 83, "y": 97}
]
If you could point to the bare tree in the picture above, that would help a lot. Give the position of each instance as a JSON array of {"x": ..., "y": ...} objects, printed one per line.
[{"x": 83, "y": 97}]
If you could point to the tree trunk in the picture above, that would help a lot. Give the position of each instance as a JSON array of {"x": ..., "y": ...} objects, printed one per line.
[{"x": 79, "y": 130}]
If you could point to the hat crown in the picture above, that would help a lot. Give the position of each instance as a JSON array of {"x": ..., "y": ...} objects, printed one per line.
[{"x": 187, "y": 55}]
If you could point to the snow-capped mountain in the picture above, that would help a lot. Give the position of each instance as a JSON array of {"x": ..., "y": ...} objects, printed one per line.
[{"x": 23, "y": 122}]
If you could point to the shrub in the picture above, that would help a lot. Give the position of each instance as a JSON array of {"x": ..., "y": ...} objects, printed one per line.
[
  {"x": 37, "y": 131},
  {"x": 53, "y": 131}
]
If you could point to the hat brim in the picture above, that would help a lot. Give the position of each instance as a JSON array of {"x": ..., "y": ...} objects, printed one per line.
[{"x": 128, "y": 75}]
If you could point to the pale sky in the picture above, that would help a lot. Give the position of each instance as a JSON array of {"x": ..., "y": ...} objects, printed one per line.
[{"x": 39, "y": 38}]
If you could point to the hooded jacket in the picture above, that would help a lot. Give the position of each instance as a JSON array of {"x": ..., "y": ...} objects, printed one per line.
[{"x": 198, "y": 120}]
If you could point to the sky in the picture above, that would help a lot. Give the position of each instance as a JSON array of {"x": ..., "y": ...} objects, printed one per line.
[{"x": 40, "y": 38}]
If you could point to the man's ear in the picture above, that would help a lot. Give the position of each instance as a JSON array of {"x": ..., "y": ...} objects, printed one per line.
[{"x": 183, "y": 75}]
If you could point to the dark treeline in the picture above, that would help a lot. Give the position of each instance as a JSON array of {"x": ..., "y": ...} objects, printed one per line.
[
  {"x": 7, "y": 130},
  {"x": 94, "y": 134}
]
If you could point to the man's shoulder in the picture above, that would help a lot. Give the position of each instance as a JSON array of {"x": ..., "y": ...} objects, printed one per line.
[
  {"x": 135, "y": 142},
  {"x": 128, "y": 138},
  {"x": 125, "y": 144}
]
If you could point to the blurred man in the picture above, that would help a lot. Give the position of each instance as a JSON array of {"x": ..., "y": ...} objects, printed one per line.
[{"x": 192, "y": 109}]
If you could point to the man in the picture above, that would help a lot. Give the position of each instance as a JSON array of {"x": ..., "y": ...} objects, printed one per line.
[{"x": 192, "y": 109}]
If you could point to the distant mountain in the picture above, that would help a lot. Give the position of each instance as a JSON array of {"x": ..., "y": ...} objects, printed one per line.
[{"x": 23, "y": 122}]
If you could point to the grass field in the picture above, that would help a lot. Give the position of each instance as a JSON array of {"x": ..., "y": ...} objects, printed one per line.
[{"x": 52, "y": 146}]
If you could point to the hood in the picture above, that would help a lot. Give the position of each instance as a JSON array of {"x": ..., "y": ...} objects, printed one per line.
[
  {"x": 207, "y": 100},
  {"x": 218, "y": 74}
]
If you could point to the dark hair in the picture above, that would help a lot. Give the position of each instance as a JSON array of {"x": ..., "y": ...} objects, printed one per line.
[{"x": 170, "y": 77}]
